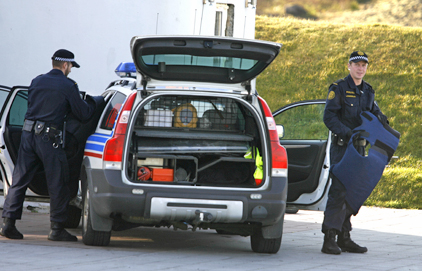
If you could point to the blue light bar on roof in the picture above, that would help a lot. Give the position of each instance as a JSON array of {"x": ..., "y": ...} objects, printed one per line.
[{"x": 126, "y": 69}]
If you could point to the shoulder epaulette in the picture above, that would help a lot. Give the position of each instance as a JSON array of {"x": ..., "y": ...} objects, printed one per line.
[
  {"x": 73, "y": 81},
  {"x": 337, "y": 82},
  {"x": 370, "y": 87}
]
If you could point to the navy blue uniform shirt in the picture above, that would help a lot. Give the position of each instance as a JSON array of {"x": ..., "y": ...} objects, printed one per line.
[
  {"x": 52, "y": 96},
  {"x": 344, "y": 104}
]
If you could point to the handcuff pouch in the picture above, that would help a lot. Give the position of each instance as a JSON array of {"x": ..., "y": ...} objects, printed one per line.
[{"x": 39, "y": 127}]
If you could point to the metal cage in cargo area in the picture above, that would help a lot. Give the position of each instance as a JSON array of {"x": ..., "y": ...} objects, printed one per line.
[{"x": 193, "y": 136}]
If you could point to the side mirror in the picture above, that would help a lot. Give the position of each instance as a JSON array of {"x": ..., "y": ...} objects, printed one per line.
[{"x": 280, "y": 131}]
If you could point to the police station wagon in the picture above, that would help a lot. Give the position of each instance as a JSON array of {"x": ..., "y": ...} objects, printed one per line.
[{"x": 185, "y": 141}]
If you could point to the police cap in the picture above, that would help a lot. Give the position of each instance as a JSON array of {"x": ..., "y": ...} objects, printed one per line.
[
  {"x": 357, "y": 56},
  {"x": 65, "y": 55}
]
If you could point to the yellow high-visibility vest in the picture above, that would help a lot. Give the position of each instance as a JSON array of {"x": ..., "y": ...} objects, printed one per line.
[{"x": 253, "y": 153}]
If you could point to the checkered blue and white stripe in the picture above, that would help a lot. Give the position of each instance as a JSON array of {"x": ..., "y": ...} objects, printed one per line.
[
  {"x": 359, "y": 57},
  {"x": 64, "y": 59}
]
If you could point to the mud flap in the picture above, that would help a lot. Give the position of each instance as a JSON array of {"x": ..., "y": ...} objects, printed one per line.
[
  {"x": 360, "y": 174},
  {"x": 274, "y": 231},
  {"x": 99, "y": 223}
]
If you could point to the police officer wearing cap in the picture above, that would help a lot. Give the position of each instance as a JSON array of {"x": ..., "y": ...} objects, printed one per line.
[
  {"x": 346, "y": 100},
  {"x": 51, "y": 97}
]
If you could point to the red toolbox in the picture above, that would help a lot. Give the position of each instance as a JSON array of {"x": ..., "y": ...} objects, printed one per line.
[{"x": 162, "y": 174}]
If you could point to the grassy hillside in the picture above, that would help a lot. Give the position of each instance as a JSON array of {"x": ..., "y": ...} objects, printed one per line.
[
  {"x": 315, "y": 54},
  {"x": 396, "y": 12},
  {"x": 316, "y": 7}
]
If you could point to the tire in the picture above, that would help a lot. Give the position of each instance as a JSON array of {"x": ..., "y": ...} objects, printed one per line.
[
  {"x": 261, "y": 245},
  {"x": 73, "y": 217},
  {"x": 91, "y": 237},
  {"x": 292, "y": 210}
]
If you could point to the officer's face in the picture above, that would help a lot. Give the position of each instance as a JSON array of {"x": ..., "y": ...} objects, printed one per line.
[
  {"x": 358, "y": 69},
  {"x": 68, "y": 66}
]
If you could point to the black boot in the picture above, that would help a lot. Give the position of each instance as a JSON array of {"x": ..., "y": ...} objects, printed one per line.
[
  {"x": 58, "y": 233},
  {"x": 347, "y": 245},
  {"x": 330, "y": 246},
  {"x": 9, "y": 230}
]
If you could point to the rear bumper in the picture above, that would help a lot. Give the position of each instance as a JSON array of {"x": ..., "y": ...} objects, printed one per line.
[{"x": 110, "y": 196}]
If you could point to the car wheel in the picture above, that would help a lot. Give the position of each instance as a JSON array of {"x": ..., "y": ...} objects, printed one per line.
[
  {"x": 292, "y": 210},
  {"x": 73, "y": 217},
  {"x": 261, "y": 245},
  {"x": 90, "y": 236}
]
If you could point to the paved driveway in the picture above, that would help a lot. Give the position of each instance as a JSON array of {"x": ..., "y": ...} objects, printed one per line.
[{"x": 393, "y": 238}]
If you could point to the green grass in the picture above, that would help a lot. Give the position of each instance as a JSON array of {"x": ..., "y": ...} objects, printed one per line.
[
  {"x": 315, "y": 54},
  {"x": 400, "y": 187},
  {"x": 277, "y": 7}
]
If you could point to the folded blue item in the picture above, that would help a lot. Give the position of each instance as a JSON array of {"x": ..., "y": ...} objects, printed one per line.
[{"x": 360, "y": 174}]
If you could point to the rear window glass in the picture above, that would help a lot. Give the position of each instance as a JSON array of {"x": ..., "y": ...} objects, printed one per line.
[
  {"x": 203, "y": 61},
  {"x": 112, "y": 110}
]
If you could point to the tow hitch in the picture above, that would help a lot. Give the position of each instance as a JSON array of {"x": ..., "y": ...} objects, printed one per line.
[{"x": 201, "y": 217}]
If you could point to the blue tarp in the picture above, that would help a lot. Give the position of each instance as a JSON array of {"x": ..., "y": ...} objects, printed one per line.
[{"x": 360, "y": 174}]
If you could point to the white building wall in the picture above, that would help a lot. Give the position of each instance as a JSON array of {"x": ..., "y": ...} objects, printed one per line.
[{"x": 98, "y": 32}]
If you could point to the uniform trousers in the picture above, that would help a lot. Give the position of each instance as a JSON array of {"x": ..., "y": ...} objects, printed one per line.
[
  {"x": 337, "y": 212},
  {"x": 36, "y": 151}
]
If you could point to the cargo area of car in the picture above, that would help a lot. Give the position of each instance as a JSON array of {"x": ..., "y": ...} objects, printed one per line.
[{"x": 194, "y": 140}]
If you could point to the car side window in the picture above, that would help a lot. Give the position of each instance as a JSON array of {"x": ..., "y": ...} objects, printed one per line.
[
  {"x": 303, "y": 122},
  {"x": 112, "y": 110},
  {"x": 3, "y": 96},
  {"x": 18, "y": 109}
]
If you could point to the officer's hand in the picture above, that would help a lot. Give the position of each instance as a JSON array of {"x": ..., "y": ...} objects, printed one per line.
[
  {"x": 382, "y": 118},
  {"x": 359, "y": 134}
]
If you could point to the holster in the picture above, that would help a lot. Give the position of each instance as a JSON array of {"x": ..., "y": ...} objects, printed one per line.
[
  {"x": 49, "y": 132},
  {"x": 52, "y": 131},
  {"x": 55, "y": 135}
]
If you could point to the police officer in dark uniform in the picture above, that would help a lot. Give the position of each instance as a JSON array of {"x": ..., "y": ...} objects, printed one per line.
[
  {"x": 346, "y": 100},
  {"x": 51, "y": 97}
]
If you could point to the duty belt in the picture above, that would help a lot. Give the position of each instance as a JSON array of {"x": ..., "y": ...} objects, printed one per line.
[{"x": 48, "y": 131}]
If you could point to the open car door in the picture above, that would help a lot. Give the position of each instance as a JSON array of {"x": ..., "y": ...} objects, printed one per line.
[
  {"x": 12, "y": 119},
  {"x": 4, "y": 92},
  {"x": 307, "y": 141}
]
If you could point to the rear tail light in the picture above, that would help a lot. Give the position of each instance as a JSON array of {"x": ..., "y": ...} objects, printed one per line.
[
  {"x": 113, "y": 149},
  {"x": 278, "y": 152}
]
